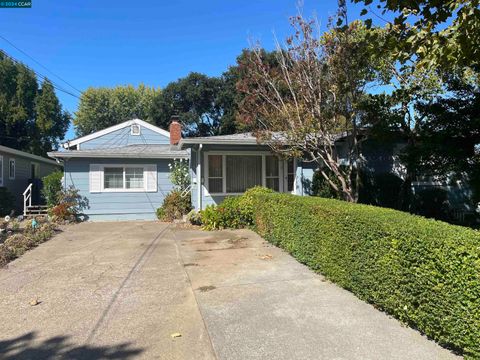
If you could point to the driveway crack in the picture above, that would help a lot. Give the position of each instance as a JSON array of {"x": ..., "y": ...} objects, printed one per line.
[{"x": 135, "y": 268}]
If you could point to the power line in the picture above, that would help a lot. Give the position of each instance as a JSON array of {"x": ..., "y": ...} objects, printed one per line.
[
  {"x": 38, "y": 63},
  {"x": 42, "y": 77}
]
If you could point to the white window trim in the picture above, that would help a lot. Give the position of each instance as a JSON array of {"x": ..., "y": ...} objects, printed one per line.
[
  {"x": 12, "y": 160},
  {"x": 139, "y": 129},
  {"x": 124, "y": 189},
  {"x": 224, "y": 154},
  {"x": 1, "y": 171}
]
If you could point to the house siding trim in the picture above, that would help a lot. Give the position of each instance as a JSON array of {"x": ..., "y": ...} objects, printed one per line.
[{"x": 129, "y": 123}]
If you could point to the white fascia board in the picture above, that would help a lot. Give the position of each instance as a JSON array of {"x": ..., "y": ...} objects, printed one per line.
[
  {"x": 115, "y": 128},
  {"x": 218, "y": 142},
  {"x": 74, "y": 154}
]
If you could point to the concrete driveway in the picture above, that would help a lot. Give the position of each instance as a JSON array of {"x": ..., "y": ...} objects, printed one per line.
[{"x": 120, "y": 290}]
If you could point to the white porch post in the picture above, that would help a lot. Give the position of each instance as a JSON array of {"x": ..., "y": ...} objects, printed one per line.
[{"x": 199, "y": 177}]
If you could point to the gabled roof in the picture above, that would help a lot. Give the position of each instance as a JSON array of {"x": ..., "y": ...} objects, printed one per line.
[
  {"x": 129, "y": 151},
  {"x": 24, "y": 154},
  {"x": 110, "y": 129}
]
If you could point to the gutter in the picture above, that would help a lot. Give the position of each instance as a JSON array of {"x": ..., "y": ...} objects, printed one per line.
[
  {"x": 219, "y": 142},
  {"x": 68, "y": 155}
]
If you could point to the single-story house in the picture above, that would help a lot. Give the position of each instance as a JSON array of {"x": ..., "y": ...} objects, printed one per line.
[
  {"x": 19, "y": 169},
  {"x": 123, "y": 170}
]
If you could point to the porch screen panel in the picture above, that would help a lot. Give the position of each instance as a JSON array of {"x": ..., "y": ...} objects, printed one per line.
[
  {"x": 290, "y": 174},
  {"x": 243, "y": 172},
  {"x": 272, "y": 174},
  {"x": 215, "y": 174}
]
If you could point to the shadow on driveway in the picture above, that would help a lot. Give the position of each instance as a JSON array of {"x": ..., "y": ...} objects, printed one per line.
[{"x": 29, "y": 347}]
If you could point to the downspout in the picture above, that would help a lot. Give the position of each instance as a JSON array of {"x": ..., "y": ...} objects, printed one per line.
[{"x": 199, "y": 177}]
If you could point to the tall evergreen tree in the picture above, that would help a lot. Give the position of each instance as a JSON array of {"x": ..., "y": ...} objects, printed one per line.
[
  {"x": 51, "y": 123},
  {"x": 31, "y": 119}
]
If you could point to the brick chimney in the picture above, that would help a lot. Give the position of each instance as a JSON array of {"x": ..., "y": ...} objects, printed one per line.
[{"x": 175, "y": 130}]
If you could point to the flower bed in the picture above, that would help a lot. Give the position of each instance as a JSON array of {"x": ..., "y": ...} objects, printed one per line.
[{"x": 16, "y": 239}]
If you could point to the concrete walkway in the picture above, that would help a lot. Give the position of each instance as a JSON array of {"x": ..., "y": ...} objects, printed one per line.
[{"x": 120, "y": 290}]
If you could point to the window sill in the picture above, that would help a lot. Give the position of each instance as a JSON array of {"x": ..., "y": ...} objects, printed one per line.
[{"x": 124, "y": 190}]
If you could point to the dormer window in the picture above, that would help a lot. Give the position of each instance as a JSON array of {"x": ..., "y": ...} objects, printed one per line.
[{"x": 135, "y": 129}]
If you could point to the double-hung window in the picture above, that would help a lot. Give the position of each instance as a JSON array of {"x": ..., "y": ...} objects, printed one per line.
[
  {"x": 234, "y": 174},
  {"x": 123, "y": 178}
]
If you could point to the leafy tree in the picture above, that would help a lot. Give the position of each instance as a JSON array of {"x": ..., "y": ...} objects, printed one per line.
[
  {"x": 18, "y": 88},
  {"x": 201, "y": 102},
  {"x": 449, "y": 138},
  {"x": 31, "y": 119},
  {"x": 52, "y": 186},
  {"x": 436, "y": 33},
  {"x": 102, "y": 107},
  {"x": 51, "y": 123},
  {"x": 310, "y": 95}
]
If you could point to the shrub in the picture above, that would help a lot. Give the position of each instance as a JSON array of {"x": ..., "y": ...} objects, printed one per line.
[
  {"x": 61, "y": 211},
  {"x": 52, "y": 186},
  {"x": 432, "y": 203},
  {"x": 179, "y": 174},
  {"x": 233, "y": 212},
  {"x": 7, "y": 202},
  {"x": 321, "y": 187},
  {"x": 194, "y": 217},
  {"x": 382, "y": 189},
  {"x": 423, "y": 272},
  {"x": 174, "y": 206},
  {"x": 42, "y": 234},
  {"x": 246, "y": 202},
  {"x": 6, "y": 255},
  {"x": 70, "y": 204},
  {"x": 18, "y": 244},
  {"x": 227, "y": 215}
]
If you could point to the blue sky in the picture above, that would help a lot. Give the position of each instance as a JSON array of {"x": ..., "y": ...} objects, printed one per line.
[{"x": 108, "y": 43}]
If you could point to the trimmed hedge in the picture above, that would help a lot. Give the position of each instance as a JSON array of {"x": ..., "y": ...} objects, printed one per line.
[
  {"x": 233, "y": 213},
  {"x": 424, "y": 272}
]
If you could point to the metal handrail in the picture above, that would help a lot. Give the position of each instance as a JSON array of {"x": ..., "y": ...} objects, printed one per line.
[
  {"x": 186, "y": 191},
  {"x": 27, "y": 196}
]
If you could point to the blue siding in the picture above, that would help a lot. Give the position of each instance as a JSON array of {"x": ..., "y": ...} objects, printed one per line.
[
  {"x": 122, "y": 137},
  {"x": 305, "y": 171},
  {"x": 121, "y": 205}
]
